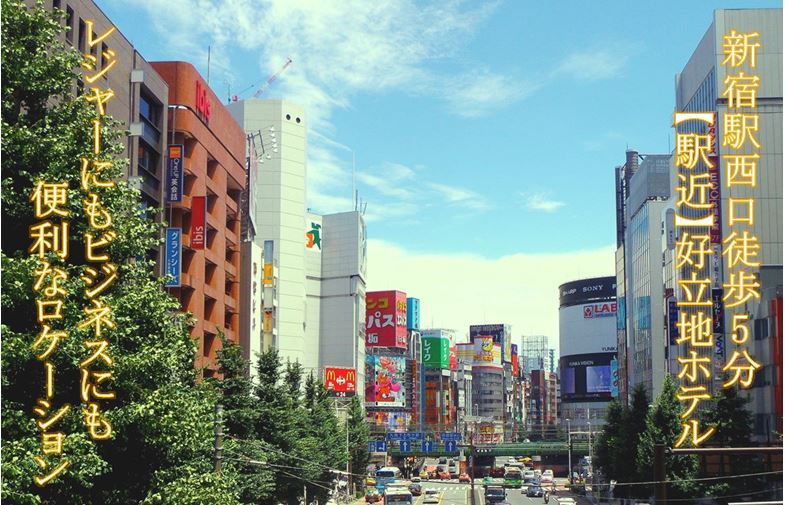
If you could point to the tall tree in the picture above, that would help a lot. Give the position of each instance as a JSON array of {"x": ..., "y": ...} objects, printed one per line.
[
  {"x": 359, "y": 433},
  {"x": 161, "y": 418},
  {"x": 663, "y": 426}
]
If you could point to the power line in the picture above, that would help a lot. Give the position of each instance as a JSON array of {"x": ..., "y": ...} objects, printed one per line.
[{"x": 701, "y": 479}]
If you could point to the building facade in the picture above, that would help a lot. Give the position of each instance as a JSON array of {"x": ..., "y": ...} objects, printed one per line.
[
  {"x": 699, "y": 88},
  {"x": 587, "y": 339},
  {"x": 646, "y": 189},
  {"x": 208, "y": 212},
  {"x": 280, "y": 222}
]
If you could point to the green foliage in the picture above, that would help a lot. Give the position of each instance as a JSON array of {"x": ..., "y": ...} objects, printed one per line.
[
  {"x": 162, "y": 442},
  {"x": 663, "y": 426},
  {"x": 359, "y": 434}
]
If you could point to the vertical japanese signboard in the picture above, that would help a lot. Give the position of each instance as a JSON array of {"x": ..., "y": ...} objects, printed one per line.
[
  {"x": 435, "y": 349},
  {"x": 413, "y": 313},
  {"x": 174, "y": 174},
  {"x": 173, "y": 260},
  {"x": 385, "y": 319},
  {"x": 198, "y": 218}
]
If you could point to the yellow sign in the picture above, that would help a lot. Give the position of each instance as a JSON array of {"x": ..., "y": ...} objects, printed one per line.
[{"x": 268, "y": 274}]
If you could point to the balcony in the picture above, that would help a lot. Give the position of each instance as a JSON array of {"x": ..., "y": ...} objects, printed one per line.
[
  {"x": 230, "y": 269},
  {"x": 211, "y": 292},
  {"x": 231, "y": 207},
  {"x": 231, "y": 237},
  {"x": 230, "y": 302}
]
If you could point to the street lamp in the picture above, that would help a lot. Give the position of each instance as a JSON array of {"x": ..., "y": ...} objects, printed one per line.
[{"x": 569, "y": 451}]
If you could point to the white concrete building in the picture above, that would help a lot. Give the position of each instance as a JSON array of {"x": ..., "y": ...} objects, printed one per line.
[{"x": 280, "y": 220}]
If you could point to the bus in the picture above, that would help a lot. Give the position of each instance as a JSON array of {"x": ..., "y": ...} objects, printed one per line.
[
  {"x": 387, "y": 475},
  {"x": 398, "y": 496},
  {"x": 513, "y": 477}
]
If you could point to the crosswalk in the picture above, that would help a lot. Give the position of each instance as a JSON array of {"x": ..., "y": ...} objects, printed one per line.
[{"x": 451, "y": 487}]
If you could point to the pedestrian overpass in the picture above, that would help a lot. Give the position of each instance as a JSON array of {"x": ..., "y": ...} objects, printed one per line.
[{"x": 529, "y": 449}]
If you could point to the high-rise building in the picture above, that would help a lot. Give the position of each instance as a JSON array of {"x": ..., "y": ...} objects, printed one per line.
[
  {"x": 700, "y": 88},
  {"x": 587, "y": 340},
  {"x": 281, "y": 224},
  {"x": 536, "y": 354},
  {"x": 205, "y": 218},
  {"x": 646, "y": 190},
  {"x": 140, "y": 99}
]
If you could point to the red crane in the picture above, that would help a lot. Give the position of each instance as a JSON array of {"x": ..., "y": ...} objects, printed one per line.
[{"x": 265, "y": 84}]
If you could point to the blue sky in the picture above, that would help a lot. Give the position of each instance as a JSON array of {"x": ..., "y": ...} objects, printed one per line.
[{"x": 482, "y": 130}]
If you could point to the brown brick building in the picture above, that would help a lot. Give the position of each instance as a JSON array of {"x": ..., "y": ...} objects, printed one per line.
[{"x": 214, "y": 168}]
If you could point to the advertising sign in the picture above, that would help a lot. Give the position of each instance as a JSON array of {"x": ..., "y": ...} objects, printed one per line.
[
  {"x": 340, "y": 382},
  {"x": 673, "y": 319},
  {"x": 435, "y": 350},
  {"x": 174, "y": 174},
  {"x": 486, "y": 351},
  {"x": 585, "y": 290},
  {"x": 614, "y": 377},
  {"x": 385, "y": 381},
  {"x": 173, "y": 259},
  {"x": 586, "y": 377},
  {"x": 601, "y": 309},
  {"x": 453, "y": 358},
  {"x": 313, "y": 234},
  {"x": 718, "y": 321},
  {"x": 386, "y": 319},
  {"x": 198, "y": 222},
  {"x": 268, "y": 274},
  {"x": 413, "y": 313},
  {"x": 500, "y": 334},
  {"x": 465, "y": 353},
  {"x": 515, "y": 364}
]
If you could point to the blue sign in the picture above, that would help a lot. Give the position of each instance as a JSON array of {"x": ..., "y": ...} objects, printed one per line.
[
  {"x": 372, "y": 446},
  {"x": 173, "y": 258},
  {"x": 381, "y": 446},
  {"x": 427, "y": 446},
  {"x": 174, "y": 174},
  {"x": 451, "y": 446},
  {"x": 451, "y": 436},
  {"x": 673, "y": 318},
  {"x": 394, "y": 436},
  {"x": 405, "y": 446},
  {"x": 413, "y": 436},
  {"x": 413, "y": 313},
  {"x": 614, "y": 378}
]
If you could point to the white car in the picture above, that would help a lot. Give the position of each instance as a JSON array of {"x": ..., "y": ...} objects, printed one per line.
[
  {"x": 416, "y": 479},
  {"x": 431, "y": 496},
  {"x": 529, "y": 477},
  {"x": 566, "y": 501}
]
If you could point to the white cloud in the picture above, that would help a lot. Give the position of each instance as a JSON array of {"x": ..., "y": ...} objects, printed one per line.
[
  {"x": 463, "y": 289},
  {"x": 482, "y": 92},
  {"x": 593, "y": 65},
  {"x": 460, "y": 196},
  {"x": 542, "y": 202}
]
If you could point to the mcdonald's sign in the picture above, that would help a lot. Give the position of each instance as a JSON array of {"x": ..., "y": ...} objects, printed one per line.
[{"x": 340, "y": 382}]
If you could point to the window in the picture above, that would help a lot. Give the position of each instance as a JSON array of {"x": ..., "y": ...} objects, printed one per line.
[
  {"x": 56, "y": 4},
  {"x": 82, "y": 36},
  {"x": 150, "y": 113},
  {"x": 69, "y": 25},
  {"x": 148, "y": 163}
]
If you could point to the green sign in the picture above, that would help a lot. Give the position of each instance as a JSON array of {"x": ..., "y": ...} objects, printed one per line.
[{"x": 436, "y": 352}]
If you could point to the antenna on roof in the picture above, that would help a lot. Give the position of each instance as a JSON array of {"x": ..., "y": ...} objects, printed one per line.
[{"x": 208, "y": 65}]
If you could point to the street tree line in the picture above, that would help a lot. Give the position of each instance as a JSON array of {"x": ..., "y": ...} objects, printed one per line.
[
  {"x": 281, "y": 433},
  {"x": 624, "y": 450}
]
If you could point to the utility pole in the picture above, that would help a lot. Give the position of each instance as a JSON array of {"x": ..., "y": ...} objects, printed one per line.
[
  {"x": 219, "y": 438},
  {"x": 471, "y": 465},
  {"x": 660, "y": 488},
  {"x": 569, "y": 452}
]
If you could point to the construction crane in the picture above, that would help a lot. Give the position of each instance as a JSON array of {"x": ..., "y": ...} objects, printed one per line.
[{"x": 265, "y": 84}]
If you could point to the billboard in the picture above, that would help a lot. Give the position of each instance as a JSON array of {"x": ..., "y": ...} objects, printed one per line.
[
  {"x": 385, "y": 313},
  {"x": 486, "y": 351},
  {"x": 500, "y": 334},
  {"x": 313, "y": 234},
  {"x": 340, "y": 382},
  {"x": 465, "y": 353},
  {"x": 587, "y": 377},
  {"x": 588, "y": 328},
  {"x": 198, "y": 220},
  {"x": 515, "y": 364},
  {"x": 453, "y": 357},
  {"x": 586, "y": 290},
  {"x": 174, "y": 174},
  {"x": 173, "y": 259},
  {"x": 385, "y": 379},
  {"x": 413, "y": 313},
  {"x": 435, "y": 349}
]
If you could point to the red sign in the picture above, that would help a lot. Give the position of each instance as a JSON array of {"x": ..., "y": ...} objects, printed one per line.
[
  {"x": 340, "y": 382},
  {"x": 515, "y": 371},
  {"x": 198, "y": 218},
  {"x": 202, "y": 101},
  {"x": 599, "y": 310},
  {"x": 385, "y": 313},
  {"x": 453, "y": 358}
]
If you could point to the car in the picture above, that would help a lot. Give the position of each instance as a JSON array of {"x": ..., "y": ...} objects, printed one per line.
[
  {"x": 537, "y": 472},
  {"x": 464, "y": 477},
  {"x": 487, "y": 481},
  {"x": 548, "y": 472},
  {"x": 431, "y": 498},
  {"x": 495, "y": 494},
  {"x": 372, "y": 496},
  {"x": 423, "y": 474},
  {"x": 416, "y": 479},
  {"x": 431, "y": 491},
  {"x": 442, "y": 461},
  {"x": 529, "y": 477},
  {"x": 370, "y": 481},
  {"x": 534, "y": 492},
  {"x": 546, "y": 478},
  {"x": 415, "y": 489},
  {"x": 566, "y": 501},
  {"x": 511, "y": 461},
  {"x": 444, "y": 475}
]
